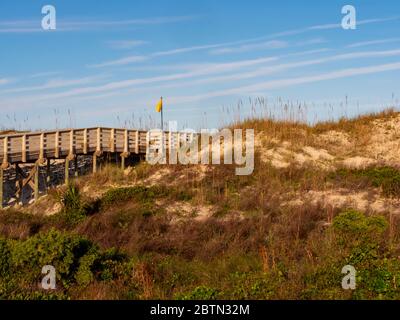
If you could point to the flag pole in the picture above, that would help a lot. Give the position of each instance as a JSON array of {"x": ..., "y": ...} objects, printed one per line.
[
  {"x": 162, "y": 129},
  {"x": 162, "y": 121}
]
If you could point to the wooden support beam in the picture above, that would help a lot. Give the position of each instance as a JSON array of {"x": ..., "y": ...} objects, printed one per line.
[
  {"x": 122, "y": 162},
  {"x": 66, "y": 170},
  {"x": 137, "y": 142},
  {"x": 23, "y": 148},
  {"x": 41, "y": 147},
  {"x": 71, "y": 142},
  {"x": 24, "y": 179},
  {"x": 48, "y": 173},
  {"x": 94, "y": 162},
  {"x": 98, "y": 140},
  {"x": 112, "y": 140},
  {"x": 85, "y": 144},
  {"x": 18, "y": 183},
  {"x": 1, "y": 186},
  {"x": 36, "y": 188},
  {"x": 126, "y": 141},
  {"x": 5, "y": 152},
  {"x": 56, "y": 145},
  {"x": 125, "y": 154},
  {"x": 76, "y": 166}
]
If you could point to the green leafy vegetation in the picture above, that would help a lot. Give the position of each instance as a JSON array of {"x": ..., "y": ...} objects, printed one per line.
[
  {"x": 77, "y": 260},
  {"x": 208, "y": 263},
  {"x": 386, "y": 178},
  {"x": 142, "y": 241}
]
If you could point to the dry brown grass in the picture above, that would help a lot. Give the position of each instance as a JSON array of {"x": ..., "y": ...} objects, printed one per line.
[{"x": 254, "y": 235}]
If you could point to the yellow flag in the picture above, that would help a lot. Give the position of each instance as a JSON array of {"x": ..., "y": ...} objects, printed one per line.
[{"x": 159, "y": 105}]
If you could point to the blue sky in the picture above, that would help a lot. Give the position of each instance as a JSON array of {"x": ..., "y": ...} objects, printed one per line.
[{"x": 107, "y": 63}]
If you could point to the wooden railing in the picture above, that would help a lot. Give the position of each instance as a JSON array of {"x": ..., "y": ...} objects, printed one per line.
[
  {"x": 40, "y": 147},
  {"x": 33, "y": 146}
]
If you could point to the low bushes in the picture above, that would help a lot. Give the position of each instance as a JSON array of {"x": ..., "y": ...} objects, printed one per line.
[
  {"x": 386, "y": 178},
  {"x": 77, "y": 262}
]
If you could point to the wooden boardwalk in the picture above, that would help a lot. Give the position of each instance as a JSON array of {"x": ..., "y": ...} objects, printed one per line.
[{"x": 41, "y": 147}]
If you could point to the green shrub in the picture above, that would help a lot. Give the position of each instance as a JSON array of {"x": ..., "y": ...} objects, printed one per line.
[
  {"x": 138, "y": 193},
  {"x": 4, "y": 258},
  {"x": 199, "y": 293},
  {"x": 71, "y": 199},
  {"x": 386, "y": 178},
  {"x": 84, "y": 275},
  {"x": 143, "y": 195},
  {"x": 74, "y": 210},
  {"x": 61, "y": 250},
  {"x": 77, "y": 262},
  {"x": 352, "y": 225}
]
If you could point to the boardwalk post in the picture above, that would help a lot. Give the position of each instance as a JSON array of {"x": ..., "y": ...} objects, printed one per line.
[
  {"x": 41, "y": 147},
  {"x": 126, "y": 149},
  {"x": 137, "y": 142},
  {"x": 1, "y": 186},
  {"x": 94, "y": 162},
  {"x": 56, "y": 145},
  {"x": 76, "y": 166},
  {"x": 112, "y": 140},
  {"x": 5, "y": 152},
  {"x": 98, "y": 149},
  {"x": 36, "y": 188},
  {"x": 23, "y": 141},
  {"x": 98, "y": 140},
  {"x": 48, "y": 173},
  {"x": 3, "y": 166},
  {"x": 71, "y": 142},
  {"x": 66, "y": 170},
  {"x": 85, "y": 146},
  {"x": 18, "y": 183}
]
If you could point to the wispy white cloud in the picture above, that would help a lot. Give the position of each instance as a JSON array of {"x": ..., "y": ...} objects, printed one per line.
[
  {"x": 120, "y": 23},
  {"x": 126, "y": 44},
  {"x": 4, "y": 81},
  {"x": 224, "y": 48},
  {"x": 31, "y": 26},
  {"x": 119, "y": 62},
  {"x": 307, "y": 52},
  {"x": 331, "y": 26},
  {"x": 188, "y": 49},
  {"x": 309, "y": 42},
  {"x": 247, "y": 44},
  {"x": 271, "y": 44},
  {"x": 272, "y": 36},
  {"x": 21, "y": 30},
  {"x": 263, "y": 45},
  {"x": 44, "y": 74},
  {"x": 54, "y": 83},
  {"x": 268, "y": 70},
  {"x": 262, "y": 87},
  {"x": 205, "y": 69},
  {"x": 262, "y": 71},
  {"x": 372, "y": 42},
  {"x": 281, "y": 83},
  {"x": 335, "y": 26}
]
